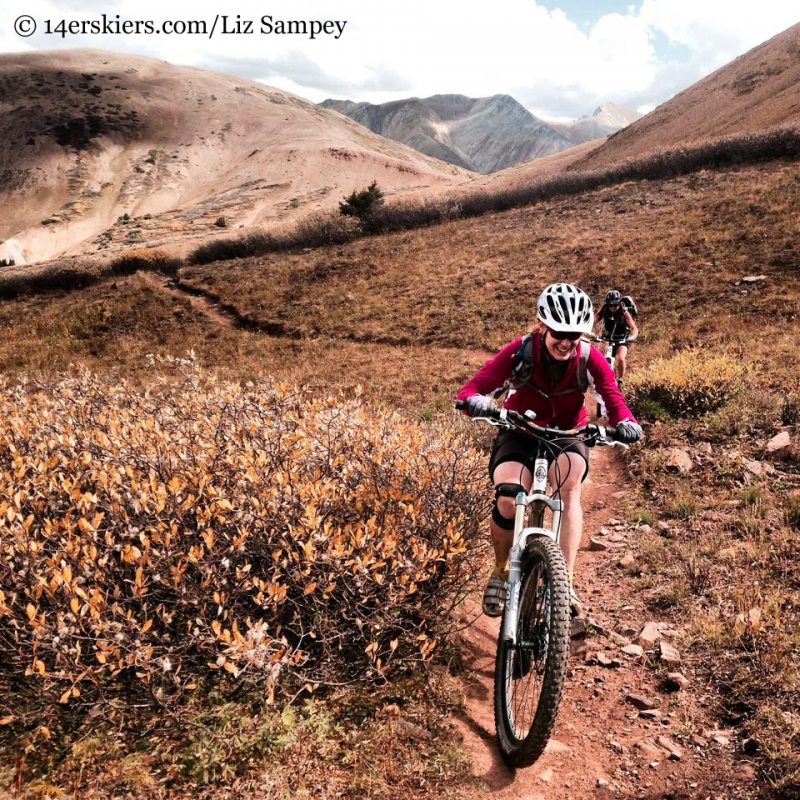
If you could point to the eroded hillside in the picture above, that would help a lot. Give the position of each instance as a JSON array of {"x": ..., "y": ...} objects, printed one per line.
[{"x": 94, "y": 137}]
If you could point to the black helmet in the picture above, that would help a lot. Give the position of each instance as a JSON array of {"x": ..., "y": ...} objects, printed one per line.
[{"x": 613, "y": 297}]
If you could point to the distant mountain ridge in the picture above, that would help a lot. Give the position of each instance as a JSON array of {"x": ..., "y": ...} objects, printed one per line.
[
  {"x": 756, "y": 91},
  {"x": 607, "y": 119},
  {"x": 484, "y": 134}
]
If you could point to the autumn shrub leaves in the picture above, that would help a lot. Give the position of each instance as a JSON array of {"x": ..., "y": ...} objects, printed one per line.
[
  {"x": 689, "y": 383},
  {"x": 260, "y": 530}
]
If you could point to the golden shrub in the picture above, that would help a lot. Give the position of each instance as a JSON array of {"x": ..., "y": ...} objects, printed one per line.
[
  {"x": 261, "y": 530},
  {"x": 689, "y": 383},
  {"x": 152, "y": 259}
]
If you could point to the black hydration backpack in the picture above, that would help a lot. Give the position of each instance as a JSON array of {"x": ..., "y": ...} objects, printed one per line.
[
  {"x": 629, "y": 306},
  {"x": 522, "y": 364}
]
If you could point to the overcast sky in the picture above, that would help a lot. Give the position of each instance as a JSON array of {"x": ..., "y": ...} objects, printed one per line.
[{"x": 559, "y": 58}]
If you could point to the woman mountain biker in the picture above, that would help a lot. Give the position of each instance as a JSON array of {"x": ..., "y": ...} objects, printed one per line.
[
  {"x": 618, "y": 325},
  {"x": 552, "y": 391}
]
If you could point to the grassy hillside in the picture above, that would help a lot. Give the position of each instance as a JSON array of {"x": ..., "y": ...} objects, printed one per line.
[
  {"x": 443, "y": 295},
  {"x": 409, "y": 316}
]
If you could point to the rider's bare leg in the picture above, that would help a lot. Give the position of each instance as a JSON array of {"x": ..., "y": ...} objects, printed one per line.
[
  {"x": 570, "y": 470},
  {"x": 622, "y": 352},
  {"x": 507, "y": 472}
]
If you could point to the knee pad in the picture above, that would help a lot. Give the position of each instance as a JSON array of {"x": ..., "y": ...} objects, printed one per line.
[{"x": 505, "y": 490}]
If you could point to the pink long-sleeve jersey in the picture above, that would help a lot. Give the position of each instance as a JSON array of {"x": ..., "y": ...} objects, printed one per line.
[{"x": 564, "y": 411}]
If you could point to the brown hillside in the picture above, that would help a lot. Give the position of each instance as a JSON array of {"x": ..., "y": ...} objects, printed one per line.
[
  {"x": 90, "y": 135},
  {"x": 535, "y": 169},
  {"x": 756, "y": 91}
]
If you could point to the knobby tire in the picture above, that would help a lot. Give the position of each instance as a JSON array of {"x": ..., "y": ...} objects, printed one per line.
[{"x": 529, "y": 677}]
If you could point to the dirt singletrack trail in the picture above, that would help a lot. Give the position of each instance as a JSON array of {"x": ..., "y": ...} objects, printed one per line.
[
  {"x": 198, "y": 301},
  {"x": 604, "y": 745}
]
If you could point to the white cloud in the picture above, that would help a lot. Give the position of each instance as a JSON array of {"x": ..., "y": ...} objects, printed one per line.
[{"x": 421, "y": 47}]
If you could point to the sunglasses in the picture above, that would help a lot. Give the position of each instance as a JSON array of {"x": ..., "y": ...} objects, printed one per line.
[{"x": 560, "y": 336}]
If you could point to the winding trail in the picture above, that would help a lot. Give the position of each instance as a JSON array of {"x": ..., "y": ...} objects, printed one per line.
[
  {"x": 602, "y": 745},
  {"x": 198, "y": 300}
]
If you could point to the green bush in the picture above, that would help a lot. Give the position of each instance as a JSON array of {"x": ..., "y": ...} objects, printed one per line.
[{"x": 362, "y": 204}]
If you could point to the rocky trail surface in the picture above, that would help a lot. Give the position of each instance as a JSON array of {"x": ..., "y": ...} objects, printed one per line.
[{"x": 634, "y": 721}]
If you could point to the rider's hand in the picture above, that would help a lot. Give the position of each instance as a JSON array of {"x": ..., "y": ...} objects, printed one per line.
[
  {"x": 632, "y": 339},
  {"x": 479, "y": 404},
  {"x": 628, "y": 431}
]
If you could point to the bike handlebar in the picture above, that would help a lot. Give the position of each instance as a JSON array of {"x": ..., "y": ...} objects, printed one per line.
[
  {"x": 624, "y": 340},
  {"x": 507, "y": 417}
]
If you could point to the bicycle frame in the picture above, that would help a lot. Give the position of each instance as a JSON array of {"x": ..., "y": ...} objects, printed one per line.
[
  {"x": 539, "y": 499},
  {"x": 610, "y": 355},
  {"x": 612, "y": 345}
]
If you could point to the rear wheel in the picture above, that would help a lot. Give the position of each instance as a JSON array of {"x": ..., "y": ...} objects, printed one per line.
[{"x": 529, "y": 675}]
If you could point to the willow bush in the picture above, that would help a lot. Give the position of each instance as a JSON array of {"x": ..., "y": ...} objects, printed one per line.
[
  {"x": 689, "y": 383},
  {"x": 261, "y": 530},
  {"x": 152, "y": 259}
]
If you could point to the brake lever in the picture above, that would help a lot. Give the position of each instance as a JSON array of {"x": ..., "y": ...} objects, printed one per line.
[
  {"x": 602, "y": 439},
  {"x": 505, "y": 424},
  {"x": 611, "y": 443}
]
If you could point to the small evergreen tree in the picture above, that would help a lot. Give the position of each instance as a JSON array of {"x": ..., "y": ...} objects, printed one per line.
[{"x": 362, "y": 204}]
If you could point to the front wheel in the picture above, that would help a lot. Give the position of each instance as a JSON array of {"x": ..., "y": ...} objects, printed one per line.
[{"x": 529, "y": 675}]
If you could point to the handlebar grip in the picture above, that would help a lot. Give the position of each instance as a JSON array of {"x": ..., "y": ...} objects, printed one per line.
[{"x": 492, "y": 413}]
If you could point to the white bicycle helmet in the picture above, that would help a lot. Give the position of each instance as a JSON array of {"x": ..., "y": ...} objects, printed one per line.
[{"x": 564, "y": 307}]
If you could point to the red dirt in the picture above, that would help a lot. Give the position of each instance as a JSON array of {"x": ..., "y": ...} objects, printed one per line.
[{"x": 601, "y": 745}]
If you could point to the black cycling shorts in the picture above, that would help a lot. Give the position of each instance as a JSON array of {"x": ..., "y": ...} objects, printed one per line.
[{"x": 513, "y": 446}]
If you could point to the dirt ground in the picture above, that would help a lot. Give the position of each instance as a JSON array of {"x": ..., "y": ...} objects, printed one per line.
[{"x": 603, "y": 745}]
